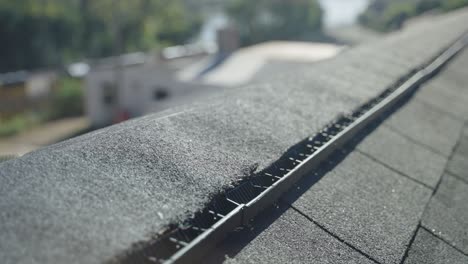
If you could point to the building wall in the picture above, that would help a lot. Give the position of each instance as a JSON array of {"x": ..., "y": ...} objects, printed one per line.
[{"x": 139, "y": 88}]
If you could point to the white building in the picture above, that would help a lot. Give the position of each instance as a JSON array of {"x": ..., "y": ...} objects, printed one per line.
[{"x": 135, "y": 84}]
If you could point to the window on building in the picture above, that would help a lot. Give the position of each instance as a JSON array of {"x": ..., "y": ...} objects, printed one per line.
[
  {"x": 160, "y": 93},
  {"x": 109, "y": 93}
]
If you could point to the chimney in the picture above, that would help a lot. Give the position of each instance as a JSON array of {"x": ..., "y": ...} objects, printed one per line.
[{"x": 228, "y": 39}]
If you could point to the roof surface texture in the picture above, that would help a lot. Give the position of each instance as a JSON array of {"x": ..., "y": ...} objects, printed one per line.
[
  {"x": 90, "y": 198},
  {"x": 395, "y": 197}
]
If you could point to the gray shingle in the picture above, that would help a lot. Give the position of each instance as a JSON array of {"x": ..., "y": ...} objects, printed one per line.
[
  {"x": 426, "y": 125},
  {"x": 457, "y": 165},
  {"x": 290, "y": 238},
  {"x": 462, "y": 148},
  {"x": 366, "y": 205},
  {"x": 428, "y": 249},
  {"x": 447, "y": 213},
  {"x": 440, "y": 94},
  {"x": 405, "y": 156},
  {"x": 448, "y": 91}
]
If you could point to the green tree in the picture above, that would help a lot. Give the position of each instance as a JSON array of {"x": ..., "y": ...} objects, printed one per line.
[
  {"x": 449, "y": 5},
  {"x": 41, "y": 33},
  {"x": 264, "y": 20},
  {"x": 67, "y": 99},
  {"x": 387, "y": 15},
  {"x": 33, "y": 34}
]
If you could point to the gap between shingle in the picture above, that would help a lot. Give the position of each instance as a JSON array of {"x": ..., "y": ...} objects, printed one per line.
[
  {"x": 443, "y": 240},
  {"x": 433, "y": 150},
  {"x": 393, "y": 169},
  {"x": 457, "y": 177},
  {"x": 452, "y": 153},
  {"x": 332, "y": 234},
  {"x": 438, "y": 109},
  {"x": 413, "y": 237}
]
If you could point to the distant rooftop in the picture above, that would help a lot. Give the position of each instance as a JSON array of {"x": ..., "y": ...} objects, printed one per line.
[
  {"x": 241, "y": 66},
  {"x": 13, "y": 77}
]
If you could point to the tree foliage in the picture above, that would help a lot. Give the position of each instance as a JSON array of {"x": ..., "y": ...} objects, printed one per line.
[
  {"x": 67, "y": 101},
  {"x": 448, "y": 5},
  {"x": 387, "y": 15},
  {"x": 41, "y": 33},
  {"x": 263, "y": 20}
]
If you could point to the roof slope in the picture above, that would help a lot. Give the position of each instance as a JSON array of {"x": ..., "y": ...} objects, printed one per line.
[
  {"x": 89, "y": 198},
  {"x": 398, "y": 196}
]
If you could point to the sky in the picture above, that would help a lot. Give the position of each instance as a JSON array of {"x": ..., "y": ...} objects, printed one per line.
[{"x": 342, "y": 12}]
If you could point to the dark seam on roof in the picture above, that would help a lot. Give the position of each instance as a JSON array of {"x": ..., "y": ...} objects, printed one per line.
[
  {"x": 333, "y": 235},
  {"x": 452, "y": 153},
  {"x": 454, "y": 150},
  {"x": 438, "y": 109},
  {"x": 413, "y": 237},
  {"x": 457, "y": 177},
  {"x": 351, "y": 146},
  {"x": 433, "y": 150},
  {"x": 393, "y": 169},
  {"x": 433, "y": 193},
  {"x": 339, "y": 155},
  {"x": 443, "y": 240}
]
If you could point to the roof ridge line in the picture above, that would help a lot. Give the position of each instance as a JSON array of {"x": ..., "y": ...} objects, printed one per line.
[{"x": 241, "y": 204}]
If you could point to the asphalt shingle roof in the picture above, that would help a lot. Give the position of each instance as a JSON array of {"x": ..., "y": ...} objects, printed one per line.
[
  {"x": 280, "y": 242},
  {"x": 457, "y": 164},
  {"x": 429, "y": 249},
  {"x": 391, "y": 196},
  {"x": 360, "y": 201},
  {"x": 451, "y": 99},
  {"x": 435, "y": 129},
  {"x": 88, "y": 199},
  {"x": 403, "y": 155},
  {"x": 447, "y": 214}
]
